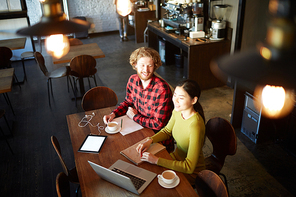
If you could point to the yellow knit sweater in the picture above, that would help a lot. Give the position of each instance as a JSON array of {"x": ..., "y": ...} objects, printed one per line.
[{"x": 189, "y": 135}]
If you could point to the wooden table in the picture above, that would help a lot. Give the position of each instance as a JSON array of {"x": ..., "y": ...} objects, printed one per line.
[
  {"x": 92, "y": 49},
  {"x": 6, "y": 78},
  {"x": 91, "y": 184},
  {"x": 14, "y": 43}
]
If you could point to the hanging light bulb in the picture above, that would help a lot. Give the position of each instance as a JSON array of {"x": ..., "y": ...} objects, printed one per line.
[
  {"x": 54, "y": 21},
  {"x": 123, "y": 7},
  {"x": 274, "y": 101},
  {"x": 57, "y": 45}
]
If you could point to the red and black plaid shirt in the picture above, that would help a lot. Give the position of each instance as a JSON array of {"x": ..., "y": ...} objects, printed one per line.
[{"x": 154, "y": 103}]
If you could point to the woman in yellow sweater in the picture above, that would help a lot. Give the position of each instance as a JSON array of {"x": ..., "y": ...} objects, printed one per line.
[{"x": 187, "y": 128}]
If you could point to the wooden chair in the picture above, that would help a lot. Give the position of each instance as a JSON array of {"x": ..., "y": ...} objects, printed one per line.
[
  {"x": 72, "y": 173},
  {"x": 55, "y": 74},
  {"x": 5, "y": 56},
  {"x": 62, "y": 185},
  {"x": 2, "y": 114},
  {"x": 209, "y": 184},
  {"x": 83, "y": 66},
  {"x": 75, "y": 42},
  {"x": 98, "y": 97},
  {"x": 223, "y": 138}
]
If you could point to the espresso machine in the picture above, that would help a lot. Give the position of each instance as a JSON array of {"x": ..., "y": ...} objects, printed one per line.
[
  {"x": 218, "y": 26},
  {"x": 178, "y": 16}
]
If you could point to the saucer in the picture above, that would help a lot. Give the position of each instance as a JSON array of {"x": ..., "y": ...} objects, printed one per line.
[
  {"x": 112, "y": 132},
  {"x": 168, "y": 186}
]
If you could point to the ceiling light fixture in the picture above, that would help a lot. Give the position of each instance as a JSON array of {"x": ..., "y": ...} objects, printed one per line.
[
  {"x": 272, "y": 66},
  {"x": 54, "y": 22},
  {"x": 124, "y": 7}
]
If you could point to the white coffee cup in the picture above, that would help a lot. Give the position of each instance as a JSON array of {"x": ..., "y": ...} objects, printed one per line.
[
  {"x": 112, "y": 126},
  {"x": 167, "y": 176}
]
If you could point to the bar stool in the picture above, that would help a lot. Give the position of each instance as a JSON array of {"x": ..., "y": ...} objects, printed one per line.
[{"x": 27, "y": 55}]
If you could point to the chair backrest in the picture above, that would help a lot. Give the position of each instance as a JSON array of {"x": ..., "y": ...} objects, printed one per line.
[
  {"x": 5, "y": 56},
  {"x": 83, "y": 66},
  {"x": 41, "y": 63},
  {"x": 75, "y": 42},
  {"x": 62, "y": 185},
  {"x": 223, "y": 138},
  {"x": 98, "y": 97},
  {"x": 57, "y": 148},
  {"x": 208, "y": 184}
]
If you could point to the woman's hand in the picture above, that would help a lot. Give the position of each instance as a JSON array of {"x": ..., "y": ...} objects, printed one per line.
[
  {"x": 142, "y": 147},
  {"x": 149, "y": 158}
]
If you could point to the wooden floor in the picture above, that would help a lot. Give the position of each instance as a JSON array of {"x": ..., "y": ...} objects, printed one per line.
[{"x": 32, "y": 170}]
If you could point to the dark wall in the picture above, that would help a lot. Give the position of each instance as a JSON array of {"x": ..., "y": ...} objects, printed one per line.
[{"x": 255, "y": 23}]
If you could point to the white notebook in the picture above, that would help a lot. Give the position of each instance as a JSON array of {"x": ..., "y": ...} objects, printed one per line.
[{"x": 128, "y": 125}]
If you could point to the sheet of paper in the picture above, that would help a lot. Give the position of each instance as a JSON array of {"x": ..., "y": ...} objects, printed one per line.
[
  {"x": 92, "y": 144},
  {"x": 128, "y": 125}
]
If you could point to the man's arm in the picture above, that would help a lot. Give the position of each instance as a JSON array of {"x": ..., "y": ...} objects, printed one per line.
[{"x": 128, "y": 102}]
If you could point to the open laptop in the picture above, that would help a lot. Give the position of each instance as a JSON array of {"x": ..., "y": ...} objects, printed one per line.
[{"x": 125, "y": 175}]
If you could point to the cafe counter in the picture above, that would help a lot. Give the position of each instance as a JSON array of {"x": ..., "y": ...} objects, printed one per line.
[{"x": 197, "y": 55}]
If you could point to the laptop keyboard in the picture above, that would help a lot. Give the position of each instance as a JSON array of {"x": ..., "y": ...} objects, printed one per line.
[{"x": 138, "y": 182}]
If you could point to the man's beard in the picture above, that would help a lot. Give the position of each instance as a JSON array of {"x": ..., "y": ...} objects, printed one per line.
[{"x": 145, "y": 78}]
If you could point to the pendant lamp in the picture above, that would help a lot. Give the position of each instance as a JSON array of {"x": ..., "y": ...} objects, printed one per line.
[{"x": 54, "y": 22}]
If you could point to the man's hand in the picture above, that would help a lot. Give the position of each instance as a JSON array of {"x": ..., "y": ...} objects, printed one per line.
[
  {"x": 108, "y": 118},
  {"x": 131, "y": 112}
]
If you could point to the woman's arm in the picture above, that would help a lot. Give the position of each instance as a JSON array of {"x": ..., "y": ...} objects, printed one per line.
[{"x": 196, "y": 141}]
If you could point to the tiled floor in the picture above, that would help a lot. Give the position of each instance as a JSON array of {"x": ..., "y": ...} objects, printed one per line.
[{"x": 255, "y": 170}]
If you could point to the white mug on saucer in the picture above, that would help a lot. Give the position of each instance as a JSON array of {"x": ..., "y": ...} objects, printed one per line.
[
  {"x": 168, "y": 176},
  {"x": 112, "y": 126}
]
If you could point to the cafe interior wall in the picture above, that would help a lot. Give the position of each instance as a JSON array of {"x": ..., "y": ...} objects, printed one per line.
[
  {"x": 101, "y": 13},
  {"x": 232, "y": 16}
]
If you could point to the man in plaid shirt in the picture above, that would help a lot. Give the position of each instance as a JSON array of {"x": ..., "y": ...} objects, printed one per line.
[{"x": 148, "y": 98}]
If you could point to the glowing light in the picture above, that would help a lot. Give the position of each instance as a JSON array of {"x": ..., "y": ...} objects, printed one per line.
[
  {"x": 123, "y": 7},
  {"x": 274, "y": 101},
  {"x": 265, "y": 53},
  {"x": 273, "y": 98},
  {"x": 57, "y": 45}
]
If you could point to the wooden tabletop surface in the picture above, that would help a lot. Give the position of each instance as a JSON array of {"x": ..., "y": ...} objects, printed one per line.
[
  {"x": 6, "y": 78},
  {"x": 13, "y": 43},
  {"x": 91, "y": 184},
  {"x": 92, "y": 49}
]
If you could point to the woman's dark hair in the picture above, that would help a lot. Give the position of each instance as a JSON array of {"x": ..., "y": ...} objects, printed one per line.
[{"x": 193, "y": 89}]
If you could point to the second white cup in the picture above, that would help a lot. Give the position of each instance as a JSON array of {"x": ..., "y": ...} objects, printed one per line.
[{"x": 168, "y": 176}]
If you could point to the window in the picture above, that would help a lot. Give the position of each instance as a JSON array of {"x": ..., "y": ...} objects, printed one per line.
[{"x": 11, "y": 6}]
